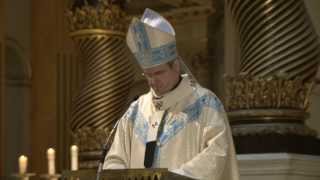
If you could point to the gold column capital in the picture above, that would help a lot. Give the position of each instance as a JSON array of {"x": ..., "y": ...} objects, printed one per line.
[{"x": 104, "y": 15}]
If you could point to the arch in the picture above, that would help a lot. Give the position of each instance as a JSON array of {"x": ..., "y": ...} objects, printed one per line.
[
  {"x": 18, "y": 68},
  {"x": 17, "y": 103}
]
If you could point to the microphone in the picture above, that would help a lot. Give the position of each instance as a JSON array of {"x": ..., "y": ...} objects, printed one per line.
[{"x": 105, "y": 149}]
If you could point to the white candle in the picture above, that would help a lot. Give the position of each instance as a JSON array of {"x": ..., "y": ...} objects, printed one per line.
[
  {"x": 74, "y": 157},
  {"x": 23, "y": 163},
  {"x": 51, "y": 161}
]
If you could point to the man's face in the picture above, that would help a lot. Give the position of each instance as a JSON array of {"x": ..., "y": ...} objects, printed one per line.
[{"x": 162, "y": 78}]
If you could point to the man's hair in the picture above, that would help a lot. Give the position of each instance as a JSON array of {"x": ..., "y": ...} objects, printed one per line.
[{"x": 171, "y": 63}]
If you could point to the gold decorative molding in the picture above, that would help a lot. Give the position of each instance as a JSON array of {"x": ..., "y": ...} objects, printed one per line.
[
  {"x": 89, "y": 139},
  {"x": 188, "y": 13},
  {"x": 247, "y": 92},
  {"x": 88, "y": 32},
  {"x": 90, "y": 142},
  {"x": 181, "y": 3},
  {"x": 191, "y": 11},
  {"x": 103, "y": 16}
]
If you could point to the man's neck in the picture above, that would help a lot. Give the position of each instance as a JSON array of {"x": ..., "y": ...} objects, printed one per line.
[
  {"x": 173, "y": 88},
  {"x": 177, "y": 84}
]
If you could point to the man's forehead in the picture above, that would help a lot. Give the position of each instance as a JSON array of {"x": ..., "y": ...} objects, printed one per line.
[{"x": 156, "y": 68}]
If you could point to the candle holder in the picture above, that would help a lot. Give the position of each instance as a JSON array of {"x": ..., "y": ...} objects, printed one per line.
[
  {"x": 50, "y": 176},
  {"x": 23, "y": 176}
]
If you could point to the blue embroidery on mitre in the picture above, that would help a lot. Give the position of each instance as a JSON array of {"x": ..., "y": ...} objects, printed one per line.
[
  {"x": 140, "y": 125},
  {"x": 190, "y": 114},
  {"x": 140, "y": 37},
  {"x": 150, "y": 45},
  {"x": 157, "y": 56}
]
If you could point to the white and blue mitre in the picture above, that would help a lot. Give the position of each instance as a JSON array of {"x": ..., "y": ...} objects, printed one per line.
[{"x": 152, "y": 40}]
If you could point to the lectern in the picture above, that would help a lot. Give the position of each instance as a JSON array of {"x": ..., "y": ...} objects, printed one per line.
[{"x": 126, "y": 174}]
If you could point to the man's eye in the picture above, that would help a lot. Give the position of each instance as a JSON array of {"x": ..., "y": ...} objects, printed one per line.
[{"x": 159, "y": 73}]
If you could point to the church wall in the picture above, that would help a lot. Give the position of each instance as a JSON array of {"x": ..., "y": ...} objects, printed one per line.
[
  {"x": 216, "y": 49},
  {"x": 55, "y": 73},
  {"x": 46, "y": 46},
  {"x": 231, "y": 44},
  {"x": 17, "y": 88},
  {"x": 314, "y": 121},
  {"x": 192, "y": 45},
  {"x": 2, "y": 124},
  {"x": 43, "y": 121}
]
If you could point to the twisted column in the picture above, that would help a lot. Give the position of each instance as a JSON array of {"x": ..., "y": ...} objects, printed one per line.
[
  {"x": 276, "y": 37},
  {"x": 279, "y": 57},
  {"x": 98, "y": 29},
  {"x": 107, "y": 79}
]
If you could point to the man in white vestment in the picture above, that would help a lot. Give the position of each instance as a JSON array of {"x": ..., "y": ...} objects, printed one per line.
[{"x": 178, "y": 124}]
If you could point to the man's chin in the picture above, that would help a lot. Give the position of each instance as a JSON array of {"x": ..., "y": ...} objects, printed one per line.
[{"x": 158, "y": 93}]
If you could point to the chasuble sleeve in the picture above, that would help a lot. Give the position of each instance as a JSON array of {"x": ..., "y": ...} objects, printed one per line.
[
  {"x": 118, "y": 156},
  {"x": 210, "y": 162}
]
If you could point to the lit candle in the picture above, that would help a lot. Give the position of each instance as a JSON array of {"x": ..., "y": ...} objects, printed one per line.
[
  {"x": 23, "y": 163},
  {"x": 74, "y": 157},
  {"x": 51, "y": 161}
]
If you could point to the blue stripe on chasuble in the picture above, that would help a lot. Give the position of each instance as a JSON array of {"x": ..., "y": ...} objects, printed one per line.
[
  {"x": 157, "y": 55},
  {"x": 190, "y": 114},
  {"x": 140, "y": 124},
  {"x": 180, "y": 120}
]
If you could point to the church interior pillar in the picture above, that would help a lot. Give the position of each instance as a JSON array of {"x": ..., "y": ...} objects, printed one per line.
[
  {"x": 268, "y": 100},
  {"x": 2, "y": 73},
  {"x": 98, "y": 29}
]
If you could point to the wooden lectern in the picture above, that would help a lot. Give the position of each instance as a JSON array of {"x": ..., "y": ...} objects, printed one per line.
[{"x": 125, "y": 174}]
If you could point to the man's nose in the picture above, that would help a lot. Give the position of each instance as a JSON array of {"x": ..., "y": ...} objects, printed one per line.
[{"x": 152, "y": 81}]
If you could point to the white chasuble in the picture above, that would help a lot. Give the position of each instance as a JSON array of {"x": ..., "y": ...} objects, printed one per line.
[{"x": 195, "y": 139}]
